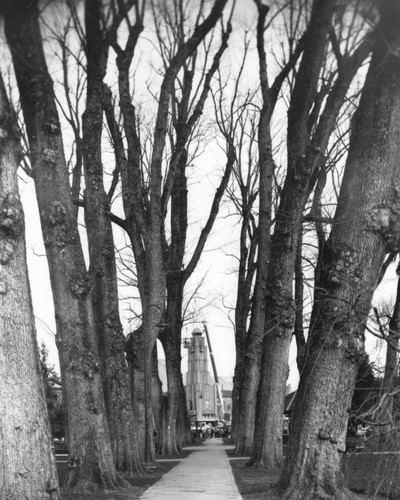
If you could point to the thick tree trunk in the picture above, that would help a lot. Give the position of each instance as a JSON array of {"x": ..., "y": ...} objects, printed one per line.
[
  {"x": 111, "y": 339},
  {"x": 144, "y": 206},
  {"x": 267, "y": 450},
  {"x": 90, "y": 460},
  {"x": 247, "y": 269},
  {"x": 156, "y": 395},
  {"x": 170, "y": 336},
  {"x": 257, "y": 329},
  {"x": 171, "y": 443},
  {"x": 250, "y": 374},
  {"x": 248, "y": 396},
  {"x": 177, "y": 420},
  {"x": 184, "y": 433},
  {"x": 305, "y": 156},
  {"x": 240, "y": 335},
  {"x": 252, "y": 360},
  {"x": 27, "y": 464},
  {"x": 153, "y": 315},
  {"x": 299, "y": 306},
  {"x": 140, "y": 393},
  {"x": 242, "y": 309},
  {"x": 364, "y": 228},
  {"x": 177, "y": 426},
  {"x": 317, "y": 431}
]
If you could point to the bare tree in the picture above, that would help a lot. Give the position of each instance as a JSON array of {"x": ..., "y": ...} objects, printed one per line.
[
  {"x": 244, "y": 196},
  {"x": 364, "y": 230},
  {"x": 312, "y": 116},
  {"x": 27, "y": 467},
  {"x": 90, "y": 454},
  {"x": 102, "y": 272},
  {"x": 146, "y": 197}
]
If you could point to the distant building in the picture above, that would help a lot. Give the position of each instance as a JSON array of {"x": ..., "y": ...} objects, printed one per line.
[{"x": 201, "y": 389}]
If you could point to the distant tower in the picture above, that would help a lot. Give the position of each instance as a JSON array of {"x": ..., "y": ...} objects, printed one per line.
[{"x": 200, "y": 390}]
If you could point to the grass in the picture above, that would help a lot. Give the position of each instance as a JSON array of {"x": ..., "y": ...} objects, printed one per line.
[
  {"x": 138, "y": 487},
  {"x": 252, "y": 483},
  {"x": 255, "y": 484}
]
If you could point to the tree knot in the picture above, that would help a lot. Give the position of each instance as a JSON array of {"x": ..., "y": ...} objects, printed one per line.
[
  {"x": 384, "y": 219},
  {"x": 52, "y": 127},
  {"x": 57, "y": 213},
  {"x": 6, "y": 251},
  {"x": 80, "y": 284},
  {"x": 324, "y": 435},
  {"x": 49, "y": 156},
  {"x": 11, "y": 216}
]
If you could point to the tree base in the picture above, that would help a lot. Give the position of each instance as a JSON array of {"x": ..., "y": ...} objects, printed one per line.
[
  {"x": 115, "y": 483},
  {"x": 314, "y": 492}
]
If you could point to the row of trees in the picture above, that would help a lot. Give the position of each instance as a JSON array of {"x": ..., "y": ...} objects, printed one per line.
[{"x": 334, "y": 67}]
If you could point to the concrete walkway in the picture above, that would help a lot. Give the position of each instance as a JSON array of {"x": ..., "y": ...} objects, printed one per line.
[{"x": 204, "y": 474}]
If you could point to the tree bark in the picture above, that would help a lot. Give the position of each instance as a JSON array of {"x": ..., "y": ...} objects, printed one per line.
[
  {"x": 111, "y": 340},
  {"x": 27, "y": 464},
  {"x": 144, "y": 205},
  {"x": 279, "y": 300},
  {"x": 170, "y": 336},
  {"x": 252, "y": 358},
  {"x": 246, "y": 272},
  {"x": 256, "y": 332},
  {"x": 90, "y": 456},
  {"x": 305, "y": 156},
  {"x": 177, "y": 420},
  {"x": 299, "y": 306},
  {"x": 134, "y": 352},
  {"x": 177, "y": 426},
  {"x": 242, "y": 310},
  {"x": 364, "y": 229}
]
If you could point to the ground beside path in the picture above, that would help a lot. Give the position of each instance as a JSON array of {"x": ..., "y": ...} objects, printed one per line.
[
  {"x": 204, "y": 474},
  {"x": 208, "y": 471}
]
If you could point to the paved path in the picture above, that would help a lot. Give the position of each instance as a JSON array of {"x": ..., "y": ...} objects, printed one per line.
[{"x": 204, "y": 474}]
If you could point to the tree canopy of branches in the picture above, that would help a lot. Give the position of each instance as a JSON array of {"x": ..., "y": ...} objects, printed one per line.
[{"x": 152, "y": 97}]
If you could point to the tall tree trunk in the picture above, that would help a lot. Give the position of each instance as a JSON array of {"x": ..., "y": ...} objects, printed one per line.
[
  {"x": 27, "y": 464},
  {"x": 145, "y": 206},
  {"x": 111, "y": 339},
  {"x": 177, "y": 424},
  {"x": 90, "y": 456},
  {"x": 305, "y": 156},
  {"x": 240, "y": 352},
  {"x": 252, "y": 360},
  {"x": 267, "y": 450},
  {"x": 246, "y": 273},
  {"x": 134, "y": 352},
  {"x": 172, "y": 440},
  {"x": 364, "y": 229},
  {"x": 299, "y": 306},
  {"x": 156, "y": 395},
  {"x": 254, "y": 338}
]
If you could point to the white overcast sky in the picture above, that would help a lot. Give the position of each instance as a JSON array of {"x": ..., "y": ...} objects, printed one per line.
[{"x": 217, "y": 263}]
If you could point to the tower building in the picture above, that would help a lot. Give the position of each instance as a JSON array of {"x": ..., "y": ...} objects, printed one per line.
[{"x": 201, "y": 393}]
